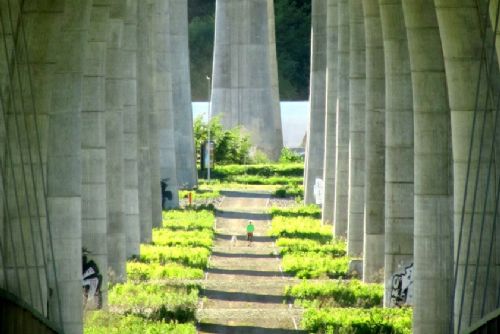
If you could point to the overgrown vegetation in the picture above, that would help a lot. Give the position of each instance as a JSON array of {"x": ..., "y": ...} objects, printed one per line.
[
  {"x": 358, "y": 320},
  {"x": 104, "y": 322},
  {"x": 157, "y": 298},
  {"x": 339, "y": 293},
  {"x": 229, "y": 172}
]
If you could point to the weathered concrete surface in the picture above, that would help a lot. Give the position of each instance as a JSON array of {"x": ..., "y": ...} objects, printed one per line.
[
  {"x": 342, "y": 151},
  {"x": 433, "y": 225},
  {"x": 242, "y": 91},
  {"x": 114, "y": 145},
  {"x": 94, "y": 198},
  {"x": 64, "y": 178},
  {"x": 357, "y": 101},
  {"x": 144, "y": 109},
  {"x": 181, "y": 95},
  {"x": 130, "y": 138},
  {"x": 332, "y": 44},
  {"x": 163, "y": 102},
  {"x": 315, "y": 146},
  {"x": 374, "y": 143},
  {"x": 462, "y": 44},
  {"x": 399, "y": 144}
]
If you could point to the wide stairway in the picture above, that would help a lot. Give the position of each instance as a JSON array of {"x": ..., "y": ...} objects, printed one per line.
[{"x": 244, "y": 286}]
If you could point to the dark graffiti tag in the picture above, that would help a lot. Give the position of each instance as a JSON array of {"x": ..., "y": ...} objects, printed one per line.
[
  {"x": 91, "y": 282},
  {"x": 402, "y": 287}
]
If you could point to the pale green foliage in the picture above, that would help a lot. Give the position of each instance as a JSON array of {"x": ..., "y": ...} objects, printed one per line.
[{"x": 138, "y": 271}]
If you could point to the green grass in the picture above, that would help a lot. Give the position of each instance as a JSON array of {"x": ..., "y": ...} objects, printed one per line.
[
  {"x": 188, "y": 220},
  {"x": 200, "y": 194},
  {"x": 289, "y": 190},
  {"x": 179, "y": 238},
  {"x": 196, "y": 257},
  {"x": 155, "y": 301},
  {"x": 268, "y": 180},
  {"x": 283, "y": 169},
  {"x": 103, "y": 322},
  {"x": 357, "y": 320},
  {"x": 300, "y": 227},
  {"x": 353, "y": 293},
  {"x": 138, "y": 271},
  {"x": 311, "y": 211},
  {"x": 335, "y": 248},
  {"x": 315, "y": 265}
]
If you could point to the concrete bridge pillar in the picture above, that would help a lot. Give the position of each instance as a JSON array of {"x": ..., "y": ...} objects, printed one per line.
[
  {"x": 163, "y": 100},
  {"x": 130, "y": 138},
  {"x": 374, "y": 143},
  {"x": 144, "y": 109},
  {"x": 332, "y": 70},
  {"x": 399, "y": 146},
  {"x": 462, "y": 49},
  {"x": 357, "y": 86},
  {"x": 115, "y": 69},
  {"x": 342, "y": 145},
  {"x": 94, "y": 198},
  {"x": 315, "y": 147},
  {"x": 433, "y": 225},
  {"x": 64, "y": 178},
  {"x": 181, "y": 95},
  {"x": 242, "y": 91}
]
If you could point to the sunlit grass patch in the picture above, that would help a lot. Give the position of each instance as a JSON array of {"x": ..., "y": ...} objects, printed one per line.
[
  {"x": 196, "y": 257},
  {"x": 315, "y": 265},
  {"x": 138, "y": 271}
]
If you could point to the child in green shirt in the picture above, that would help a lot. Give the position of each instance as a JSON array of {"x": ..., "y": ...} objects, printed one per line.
[{"x": 250, "y": 229}]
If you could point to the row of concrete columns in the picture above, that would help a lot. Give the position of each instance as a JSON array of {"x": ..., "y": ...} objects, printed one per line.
[
  {"x": 397, "y": 95},
  {"x": 110, "y": 85}
]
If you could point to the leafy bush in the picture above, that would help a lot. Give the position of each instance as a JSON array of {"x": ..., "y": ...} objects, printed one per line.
[
  {"x": 359, "y": 321},
  {"x": 287, "y": 156},
  {"x": 103, "y": 322},
  {"x": 137, "y": 271},
  {"x": 333, "y": 248},
  {"x": 300, "y": 227},
  {"x": 352, "y": 293},
  {"x": 196, "y": 257},
  {"x": 311, "y": 210},
  {"x": 231, "y": 146},
  {"x": 289, "y": 191},
  {"x": 155, "y": 301},
  {"x": 227, "y": 172},
  {"x": 314, "y": 265},
  {"x": 257, "y": 179}
]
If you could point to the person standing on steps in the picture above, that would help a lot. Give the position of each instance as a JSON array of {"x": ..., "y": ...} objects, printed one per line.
[{"x": 250, "y": 229}]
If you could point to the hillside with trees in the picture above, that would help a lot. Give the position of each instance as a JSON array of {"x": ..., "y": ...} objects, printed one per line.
[{"x": 293, "y": 29}]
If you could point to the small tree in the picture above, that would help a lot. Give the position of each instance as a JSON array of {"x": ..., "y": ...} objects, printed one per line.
[{"x": 231, "y": 146}]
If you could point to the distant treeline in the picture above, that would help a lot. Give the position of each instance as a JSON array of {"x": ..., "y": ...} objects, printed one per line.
[{"x": 293, "y": 30}]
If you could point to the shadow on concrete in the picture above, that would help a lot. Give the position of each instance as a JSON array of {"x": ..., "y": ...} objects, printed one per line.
[
  {"x": 236, "y": 272},
  {"x": 242, "y": 215},
  {"x": 243, "y": 297},
  {"x": 244, "y": 194},
  {"x": 241, "y": 238},
  {"x": 244, "y": 255},
  {"x": 225, "y": 329}
]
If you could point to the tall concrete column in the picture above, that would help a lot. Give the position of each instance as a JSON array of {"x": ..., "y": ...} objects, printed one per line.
[
  {"x": 399, "y": 143},
  {"x": 181, "y": 95},
  {"x": 94, "y": 199},
  {"x": 242, "y": 91},
  {"x": 433, "y": 224},
  {"x": 144, "y": 109},
  {"x": 315, "y": 146},
  {"x": 130, "y": 131},
  {"x": 332, "y": 43},
  {"x": 373, "y": 246},
  {"x": 462, "y": 48},
  {"x": 64, "y": 178},
  {"x": 114, "y": 144},
  {"x": 163, "y": 101},
  {"x": 273, "y": 60},
  {"x": 342, "y": 145},
  {"x": 357, "y": 86}
]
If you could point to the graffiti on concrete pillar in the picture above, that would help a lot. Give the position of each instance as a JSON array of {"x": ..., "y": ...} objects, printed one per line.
[
  {"x": 166, "y": 195},
  {"x": 402, "y": 287}
]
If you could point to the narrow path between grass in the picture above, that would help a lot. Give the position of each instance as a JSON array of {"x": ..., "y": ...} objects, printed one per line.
[{"x": 244, "y": 286}]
